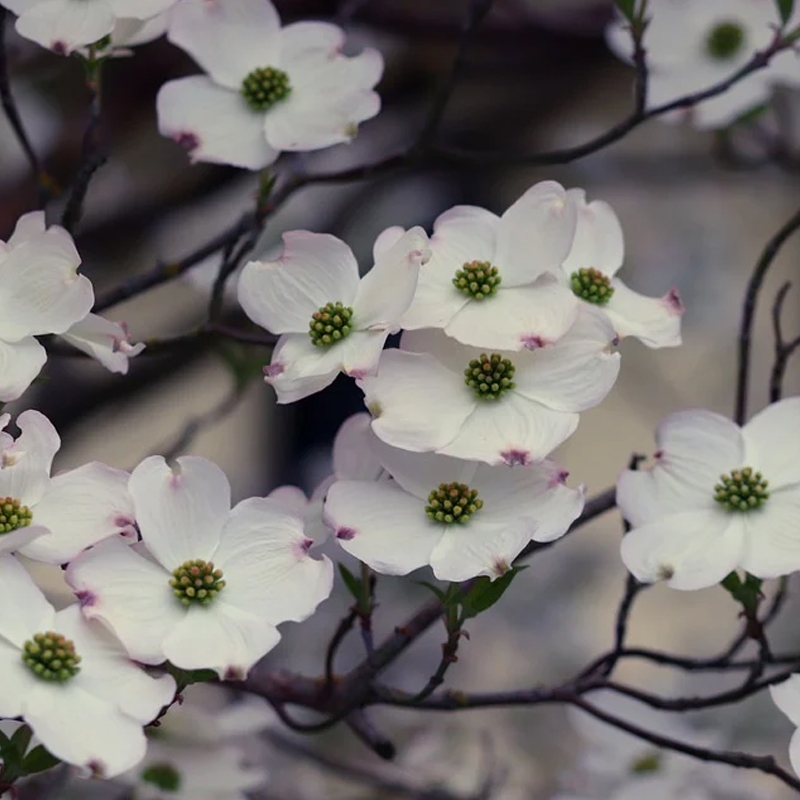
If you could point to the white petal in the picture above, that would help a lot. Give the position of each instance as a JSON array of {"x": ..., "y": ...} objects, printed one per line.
[
  {"x": 18, "y": 681},
  {"x": 690, "y": 550},
  {"x": 386, "y": 291},
  {"x": 361, "y": 352},
  {"x": 180, "y": 512},
  {"x": 31, "y": 225},
  {"x": 84, "y": 730},
  {"x": 512, "y": 430},
  {"x": 15, "y": 541},
  {"x": 517, "y": 317},
  {"x": 228, "y": 40},
  {"x": 128, "y": 593},
  {"x": 213, "y": 123},
  {"x": 773, "y": 535},
  {"x": 330, "y": 95},
  {"x": 109, "y": 342},
  {"x": 220, "y": 637},
  {"x": 139, "y": 9},
  {"x": 395, "y": 397},
  {"x": 300, "y": 38},
  {"x": 30, "y": 612},
  {"x": 769, "y": 447},
  {"x": 108, "y": 672},
  {"x": 25, "y": 464},
  {"x": 41, "y": 289},
  {"x": 353, "y": 457},
  {"x": 386, "y": 240},
  {"x": 598, "y": 242},
  {"x": 786, "y": 696},
  {"x": 264, "y": 557},
  {"x": 81, "y": 507},
  {"x": 313, "y": 270},
  {"x": 466, "y": 551},
  {"x": 695, "y": 448},
  {"x": 535, "y": 234},
  {"x": 20, "y": 363},
  {"x": 64, "y": 25},
  {"x": 794, "y": 752},
  {"x": 381, "y": 525},
  {"x": 655, "y": 321},
  {"x": 290, "y": 499}
]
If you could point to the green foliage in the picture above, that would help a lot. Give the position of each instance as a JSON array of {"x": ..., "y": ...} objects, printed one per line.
[
  {"x": 38, "y": 760},
  {"x": 17, "y": 762},
  {"x": 785, "y": 9},
  {"x": 484, "y": 593},
  {"x": 627, "y": 8}
]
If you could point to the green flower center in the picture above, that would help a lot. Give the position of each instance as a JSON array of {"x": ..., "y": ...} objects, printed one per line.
[
  {"x": 646, "y": 764},
  {"x": 13, "y": 515},
  {"x": 164, "y": 776},
  {"x": 452, "y": 502},
  {"x": 490, "y": 376},
  {"x": 330, "y": 324},
  {"x": 725, "y": 41},
  {"x": 264, "y": 87},
  {"x": 592, "y": 285},
  {"x": 477, "y": 279},
  {"x": 51, "y": 657},
  {"x": 196, "y": 582},
  {"x": 742, "y": 490}
]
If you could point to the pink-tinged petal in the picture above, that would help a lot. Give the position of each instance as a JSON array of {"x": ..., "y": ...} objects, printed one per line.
[
  {"x": 20, "y": 363},
  {"x": 361, "y": 352},
  {"x": 313, "y": 270},
  {"x": 300, "y": 39},
  {"x": 513, "y": 431},
  {"x": 25, "y": 465},
  {"x": 108, "y": 342},
  {"x": 466, "y": 551},
  {"x": 381, "y": 525},
  {"x": 220, "y": 637},
  {"x": 689, "y": 550},
  {"x": 139, "y": 9},
  {"x": 81, "y": 508},
  {"x": 655, "y": 321},
  {"x": 330, "y": 95},
  {"x": 353, "y": 456},
  {"x": 64, "y": 25},
  {"x": 535, "y": 234},
  {"x": 395, "y": 397},
  {"x": 42, "y": 291},
  {"x": 17, "y": 540},
  {"x": 268, "y": 570},
  {"x": 29, "y": 613},
  {"x": 18, "y": 681},
  {"x": 299, "y": 368},
  {"x": 772, "y": 547},
  {"x": 180, "y": 511},
  {"x": 290, "y": 499},
  {"x": 130, "y": 594},
  {"x": 81, "y": 729},
  {"x": 577, "y": 372},
  {"x": 108, "y": 672},
  {"x": 516, "y": 318},
  {"x": 29, "y": 226},
  {"x": 770, "y": 445},
  {"x": 695, "y": 448},
  {"x": 386, "y": 241},
  {"x": 386, "y": 291},
  {"x": 786, "y": 696},
  {"x": 213, "y": 123},
  {"x": 228, "y": 40},
  {"x": 598, "y": 242}
]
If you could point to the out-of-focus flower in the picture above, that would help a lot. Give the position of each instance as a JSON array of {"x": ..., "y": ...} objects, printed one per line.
[
  {"x": 786, "y": 697},
  {"x": 108, "y": 342},
  {"x": 268, "y": 88},
  {"x": 217, "y": 581},
  {"x": 719, "y": 497}
]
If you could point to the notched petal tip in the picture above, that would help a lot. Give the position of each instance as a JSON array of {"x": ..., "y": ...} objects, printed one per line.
[
  {"x": 273, "y": 370},
  {"x": 531, "y": 341},
  {"x": 234, "y": 673},
  {"x": 85, "y": 598},
  {"x": 515, "y": 457},
  {"x": 672, "y": 300},
  {"x": 345, "y": 534}
]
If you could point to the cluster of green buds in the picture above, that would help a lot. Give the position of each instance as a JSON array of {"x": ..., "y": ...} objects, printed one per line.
[
  {"x": 742, "y": 490},
  {"x": 330, "y": 324},
  {"x": 592, "y": 285},
  {"x": 13, "y": 515},
  {"x": 725, "y": 41},
  {"x": 490, "y": 376},
  {"x": 196, "y": 582},
  {"x": 264, "y": 87},
  {"x": 452, "y": 502},
  {"x": 477, "y": 279},
  {"x": 51, "y": 657}
]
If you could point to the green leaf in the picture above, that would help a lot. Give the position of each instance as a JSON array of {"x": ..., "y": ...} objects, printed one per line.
[
  {"x": 484, "y": 593},
  {"x": 38, "y": 760},
  {"x": 747, "y": 591},
  {"x": 440, "y": 595},
  {"x": 21, "y": 739},
  {"x": 352, "y": 583},
  {"x": 627, "y": 8},
  {"x": 186, "y": 677},
  {"x": 785, "y": 9}
]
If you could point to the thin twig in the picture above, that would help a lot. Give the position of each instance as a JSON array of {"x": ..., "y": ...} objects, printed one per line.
[{"x": 783, "y": 350}]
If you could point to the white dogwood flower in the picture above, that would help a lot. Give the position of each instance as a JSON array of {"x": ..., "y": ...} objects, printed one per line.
[
  {"x": 54, "y": 518},
  {"x": 108, "y": 342},
  {"x": 215, "y": 582},
  {"x": 71, "y": 680},
  {"x": 40, "y": 292},
  {"x": 590, "y": 270},
  {"x": 718, "y": 498},
  {"x": 435, "y": 394},
  {"x": 490, "y": 281},
  {"x": 463, "y": 518},
  {"x": 268, "y": 88},
  {"x": 67, "y": 25},
  {"x": 693, "y": 46},
  {"x": 330, "y": 320},
  {"x": 786, "y": 697}
]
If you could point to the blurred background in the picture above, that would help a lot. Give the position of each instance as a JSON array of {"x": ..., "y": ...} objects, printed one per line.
[{"x": 538, "y": 76}]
